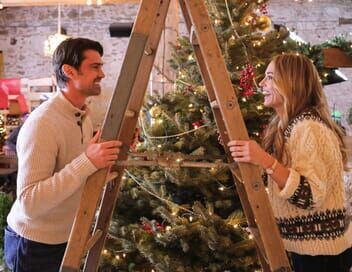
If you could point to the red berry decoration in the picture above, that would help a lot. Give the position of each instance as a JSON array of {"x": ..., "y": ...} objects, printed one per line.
[
  {"x": 264, "y": 8},
  {"x": 246, "y": 80}
]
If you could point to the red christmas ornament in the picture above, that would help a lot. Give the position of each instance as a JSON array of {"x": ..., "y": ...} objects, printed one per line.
[
  {"x": 246, "y": 80},
  {"x": 153, "y": 226},
  {"x": 147, "y": 227},
  {"x": 264, "y": 8},
  {"x": 159, "y": 227},
  {"x": 197, "y": 124}
]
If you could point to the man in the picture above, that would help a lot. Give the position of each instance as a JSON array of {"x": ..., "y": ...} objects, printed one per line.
[{"x": 56, "y": 155}]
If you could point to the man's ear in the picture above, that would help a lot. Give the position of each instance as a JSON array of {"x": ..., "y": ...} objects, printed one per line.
[{"x": 68, "y": 70}]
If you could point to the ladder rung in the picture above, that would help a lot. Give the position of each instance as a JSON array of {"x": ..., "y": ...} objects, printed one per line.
[{"x": 93, "y": 239}]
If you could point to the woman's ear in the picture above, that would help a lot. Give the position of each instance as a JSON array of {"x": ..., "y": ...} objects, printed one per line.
[{"x": 68, "y": 70}]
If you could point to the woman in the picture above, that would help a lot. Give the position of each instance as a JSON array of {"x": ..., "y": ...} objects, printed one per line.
[{"x": 304, "y": 158}]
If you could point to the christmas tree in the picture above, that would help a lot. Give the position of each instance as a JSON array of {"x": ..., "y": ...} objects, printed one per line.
[
  {"x": 175, "y": 218},
  {"x": 190, "y": 219}
]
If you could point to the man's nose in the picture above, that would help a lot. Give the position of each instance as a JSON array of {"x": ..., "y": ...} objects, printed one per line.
[{"x": 102, "y": 74}]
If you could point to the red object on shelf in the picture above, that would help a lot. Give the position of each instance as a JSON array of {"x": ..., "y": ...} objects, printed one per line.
[
  {"x": 11, "y": 97},
  {"x": 4, "y": 101},
  {"x": 10, "y": 85}
]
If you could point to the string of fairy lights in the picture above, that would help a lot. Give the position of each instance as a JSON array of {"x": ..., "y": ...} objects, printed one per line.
[
  {"x": 175, "y": 209},
  {"x": 120, "y": 255}
]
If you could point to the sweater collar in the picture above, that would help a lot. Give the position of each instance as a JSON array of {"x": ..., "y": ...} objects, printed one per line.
[
  {"x": 306, "y": 115},
  {"x": 66, "y": 105}
]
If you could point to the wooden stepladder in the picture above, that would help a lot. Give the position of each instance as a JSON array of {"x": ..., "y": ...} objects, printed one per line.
[{"x": 121, "y": 120}]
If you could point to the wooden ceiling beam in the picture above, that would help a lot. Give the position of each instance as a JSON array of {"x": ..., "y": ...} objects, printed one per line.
[{"x": 26, "y": 3}]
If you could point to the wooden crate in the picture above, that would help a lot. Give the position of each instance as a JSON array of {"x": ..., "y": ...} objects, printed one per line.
[
  {"x": 348, "y": 142},
  {"x": 335, "y": 57}
]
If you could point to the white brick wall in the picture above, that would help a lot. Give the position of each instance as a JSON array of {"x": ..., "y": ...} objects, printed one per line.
[{"x": 23, "y": 31}]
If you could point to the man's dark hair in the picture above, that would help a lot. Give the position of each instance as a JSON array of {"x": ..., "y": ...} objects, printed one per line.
[{"x": 71, "y": 52}]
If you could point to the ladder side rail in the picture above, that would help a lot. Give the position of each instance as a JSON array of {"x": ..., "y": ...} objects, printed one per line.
[
  {"x": 112, "y": 125},
  {"x": 226, "y": 98},
  {"x": 224, "y": 136},
  {"x": 126, "y": 133}
]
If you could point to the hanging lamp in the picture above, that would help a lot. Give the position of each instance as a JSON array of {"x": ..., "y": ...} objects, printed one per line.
[{"x": 54, "y": 40}]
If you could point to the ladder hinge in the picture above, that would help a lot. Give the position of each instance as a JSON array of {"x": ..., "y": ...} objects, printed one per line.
[
  {"x": 148, "y": 51},
  {"x": 130, "y": 114},
  {"x": 193, "y": 37},
  {"x": 214, "y": 104}
]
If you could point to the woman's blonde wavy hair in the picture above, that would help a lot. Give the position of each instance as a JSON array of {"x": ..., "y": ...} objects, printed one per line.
[{"x": 297, "y": 81}]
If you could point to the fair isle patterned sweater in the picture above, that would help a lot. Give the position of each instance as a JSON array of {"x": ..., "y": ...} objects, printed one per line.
[{"x": 311, "y": 209}]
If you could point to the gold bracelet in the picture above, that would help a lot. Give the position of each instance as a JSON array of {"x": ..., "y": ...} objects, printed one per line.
[{"x": 270, "y": 170}]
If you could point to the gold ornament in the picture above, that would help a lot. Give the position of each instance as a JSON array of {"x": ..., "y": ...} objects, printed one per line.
[
  {"x": 155, "y": 111},
  {"x": 263, "y": 23},
  {"x": 232, "y": 40},
  {"x": 249, "y": 19},
  {"x": 213, "y": 171}
]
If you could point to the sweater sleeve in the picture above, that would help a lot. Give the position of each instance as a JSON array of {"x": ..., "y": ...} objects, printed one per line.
[
  {"x": 39, "y": 187},
  {"x": 309, "y": 145}
]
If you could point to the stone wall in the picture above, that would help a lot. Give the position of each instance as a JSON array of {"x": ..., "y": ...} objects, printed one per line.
[{"x": 23, "y": 31}]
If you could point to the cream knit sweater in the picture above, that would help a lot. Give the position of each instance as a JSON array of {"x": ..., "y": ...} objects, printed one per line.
[
  {"x": 52, "y": 169},
  {"x": 311, "y": 209}
]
